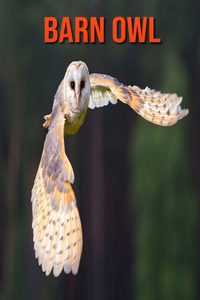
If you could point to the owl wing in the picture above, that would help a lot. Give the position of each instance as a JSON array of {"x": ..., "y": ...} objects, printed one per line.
[
  {"x": 57, "y": 231},
  {"x": 158, "y": 108}
]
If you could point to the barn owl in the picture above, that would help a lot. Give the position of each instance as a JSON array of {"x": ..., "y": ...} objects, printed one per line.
[{"x": 57, "y": 231}]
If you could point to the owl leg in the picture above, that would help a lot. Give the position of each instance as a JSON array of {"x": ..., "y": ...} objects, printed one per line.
[{"x": 47, "y": 122}]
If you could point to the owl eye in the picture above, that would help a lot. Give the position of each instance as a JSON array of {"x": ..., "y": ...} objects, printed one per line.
[
  {"x": 72, "y": 84},
  {"x": 82, "y": 84}
]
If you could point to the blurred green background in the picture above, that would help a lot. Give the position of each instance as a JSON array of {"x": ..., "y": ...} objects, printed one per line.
[{"x": 137, "y": 184}]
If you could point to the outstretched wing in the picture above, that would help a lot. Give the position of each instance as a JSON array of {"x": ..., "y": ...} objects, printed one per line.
[
  {"x": 158, "y": 108},
  {"x": 57, "y": 231}
]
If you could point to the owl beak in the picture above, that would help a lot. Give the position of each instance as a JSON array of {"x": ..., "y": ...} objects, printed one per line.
[{"x": 78, "y": 95}]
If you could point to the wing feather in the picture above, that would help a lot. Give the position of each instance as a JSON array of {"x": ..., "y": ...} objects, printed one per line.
[
  {"x": 154, "y": 106},
  {"x": 54, "y": 206},
  {"x": 101, "y": 96}
]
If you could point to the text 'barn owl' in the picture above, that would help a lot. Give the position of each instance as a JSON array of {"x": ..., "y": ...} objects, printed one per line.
[{"x": 56, "y": 223}]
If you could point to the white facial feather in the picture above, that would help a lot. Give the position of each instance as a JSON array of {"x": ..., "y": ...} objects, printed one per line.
[{"x": 77, "y": 86}]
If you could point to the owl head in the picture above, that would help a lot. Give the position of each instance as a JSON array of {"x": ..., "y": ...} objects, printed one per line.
[{"x": 77, "y": 86}]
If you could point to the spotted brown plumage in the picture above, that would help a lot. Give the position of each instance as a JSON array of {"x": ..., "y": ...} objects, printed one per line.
[
  {"x": 160, "y": 109},
  {"x": 56, "y": 222},
  {"x": 57, "y": 231}
]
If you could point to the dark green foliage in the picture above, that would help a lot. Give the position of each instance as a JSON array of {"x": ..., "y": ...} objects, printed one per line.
[{"x": 163, "y": 200}]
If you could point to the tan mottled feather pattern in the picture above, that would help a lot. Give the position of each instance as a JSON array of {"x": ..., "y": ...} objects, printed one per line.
[
  {"x": 158, "y": 108},
  {"x": 57, "y": 231}
]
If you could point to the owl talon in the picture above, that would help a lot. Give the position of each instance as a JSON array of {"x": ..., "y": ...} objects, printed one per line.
[{"x": 47, "y": 122}]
